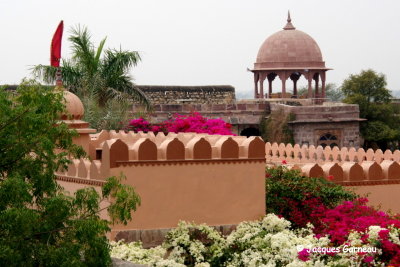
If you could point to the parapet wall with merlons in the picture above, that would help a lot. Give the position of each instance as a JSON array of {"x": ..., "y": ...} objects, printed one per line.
[
  {"x": 375, "y": 173},
  {"x": 213, "y": 179},
  {"x": 311, "y": 154},
  {"x": 218, "y": 180}
]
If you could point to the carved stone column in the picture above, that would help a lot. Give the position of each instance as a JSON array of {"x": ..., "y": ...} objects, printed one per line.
[
  {"x": 308, "y": 75},
  {"x": 316, "y": 79},
  {"x": 295, "y": 77},
  {"x": 256, "y": 78},
  {"x": 261, "y": 88},
  {"x": 283, "y": 77},
  {"x": 263, "y": 76},
  {"x": 323, "y": 77},
  {"x": 310, "y": 93},
  {"x": 271, "y": 76}
]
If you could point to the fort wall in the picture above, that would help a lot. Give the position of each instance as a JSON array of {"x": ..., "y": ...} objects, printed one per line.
[
  {"x": 375, "y": 173},
  {"x": 218, "y": 180}
]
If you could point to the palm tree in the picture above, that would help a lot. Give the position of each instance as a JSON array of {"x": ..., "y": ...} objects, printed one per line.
[{"x": 96, "y": 72}]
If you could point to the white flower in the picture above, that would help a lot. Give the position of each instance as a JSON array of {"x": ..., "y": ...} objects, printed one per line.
[
  {"x": 394, "y": 235},
  {"x": 355, "y": 238},
  {"x": 373, "y": 232},
  {"x": 271, "y": 222}
]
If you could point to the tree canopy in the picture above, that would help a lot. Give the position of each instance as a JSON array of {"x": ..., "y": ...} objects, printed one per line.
[
  {"x": 332, "y": 92},
  {"x": 368, "y": 90},
  {"x": 40, "y": 223}
]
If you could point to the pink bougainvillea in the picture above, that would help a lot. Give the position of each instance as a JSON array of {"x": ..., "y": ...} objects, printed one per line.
[
  {"x": 303, "y": 255},
  {"x": 356, "y": 216},
  {"x": 194, "y": 122},
  {"x": 139, "y": 125},
  {"x": 351, "y": 216}
]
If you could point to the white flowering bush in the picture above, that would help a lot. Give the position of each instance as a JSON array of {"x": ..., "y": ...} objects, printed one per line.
[
  {"x": 195, "y": 245},
  {"x": 268, "y": 242},
  {"x": 134, "y": 252}
]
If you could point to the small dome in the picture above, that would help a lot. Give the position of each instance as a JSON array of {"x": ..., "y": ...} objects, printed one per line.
[
  {"x": 73, "y": 106},
  {"x": 289, "y": 48}
]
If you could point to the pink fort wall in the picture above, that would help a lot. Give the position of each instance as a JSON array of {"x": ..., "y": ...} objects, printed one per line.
[
  {"x": 372, "y": 173},
  {"x": 216, "y": 193},
  {"x": 217, "y": 180}
]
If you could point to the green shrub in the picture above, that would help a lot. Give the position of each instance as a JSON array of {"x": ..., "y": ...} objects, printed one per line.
[{"x": 296, "y": 197}]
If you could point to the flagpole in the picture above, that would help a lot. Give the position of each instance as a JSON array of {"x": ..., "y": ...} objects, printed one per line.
[{"x": 59, "y": 82}]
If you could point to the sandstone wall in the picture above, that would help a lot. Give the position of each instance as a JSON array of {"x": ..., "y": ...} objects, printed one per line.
[
  {"x": 375, "y": 173},
  {"x": 213, "y": 179}
]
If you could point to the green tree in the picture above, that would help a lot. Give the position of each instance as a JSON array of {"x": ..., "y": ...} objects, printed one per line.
[
  {"x": 93, "y": 72},
  {"x": 368, "y": 90},
  {"x": 333, "y": 93},
  {"x": 40, "y": 223}
]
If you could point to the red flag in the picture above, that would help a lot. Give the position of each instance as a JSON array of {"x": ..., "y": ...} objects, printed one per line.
[{"x": 55, "y": 50}]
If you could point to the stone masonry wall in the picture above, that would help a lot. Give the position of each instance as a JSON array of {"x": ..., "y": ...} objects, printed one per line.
[
  {"x": 219, "y": 94},
  {"x": 321, "y": 113},
  {"x": 241, "y": 114},
  {"x": 347, "y": 132},
  {"x": 312, "y": 122}
]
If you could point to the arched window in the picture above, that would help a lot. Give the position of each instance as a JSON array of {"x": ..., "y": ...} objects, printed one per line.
[{"x": 328, "y": 139}]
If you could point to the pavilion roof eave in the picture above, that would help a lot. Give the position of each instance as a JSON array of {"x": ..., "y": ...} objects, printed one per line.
[{"x": 291, "y": 68}]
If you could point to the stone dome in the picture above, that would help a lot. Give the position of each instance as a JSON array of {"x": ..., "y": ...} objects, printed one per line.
[
  {"x": 73, "y": 106},
  {"x": 289, "y": 49}
]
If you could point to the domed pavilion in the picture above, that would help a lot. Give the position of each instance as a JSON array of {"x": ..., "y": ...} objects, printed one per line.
[
  {"x": 289, "y": 54},
  {"x": 72, "y": 116}
]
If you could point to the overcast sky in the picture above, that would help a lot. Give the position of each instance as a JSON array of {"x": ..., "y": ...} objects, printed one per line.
[{"x": 207, "y": 42}]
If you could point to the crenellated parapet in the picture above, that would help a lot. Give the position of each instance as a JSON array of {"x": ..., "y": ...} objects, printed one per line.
[
  {"x": 352, "y": 173},
  {"x": 213, "y": 179},
  {"x": 110, "y": 149},
  {"x": 310, "y": 154},
  {"x": 348, "y": 166}
]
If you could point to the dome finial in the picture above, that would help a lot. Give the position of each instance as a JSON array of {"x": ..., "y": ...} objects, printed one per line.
[{"x": 289, "y": 25}]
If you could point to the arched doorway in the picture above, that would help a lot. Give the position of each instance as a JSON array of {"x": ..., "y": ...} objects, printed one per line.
[
  {"x": 250, "y": 131},
  {"x": 328, "y": 139}
]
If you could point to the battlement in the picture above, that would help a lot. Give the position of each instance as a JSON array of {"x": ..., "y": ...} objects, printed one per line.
[
  {"x": 311, "y": 154},
  {"x": 213, "y": 179},
  {"x": 345, "y": 166}
]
